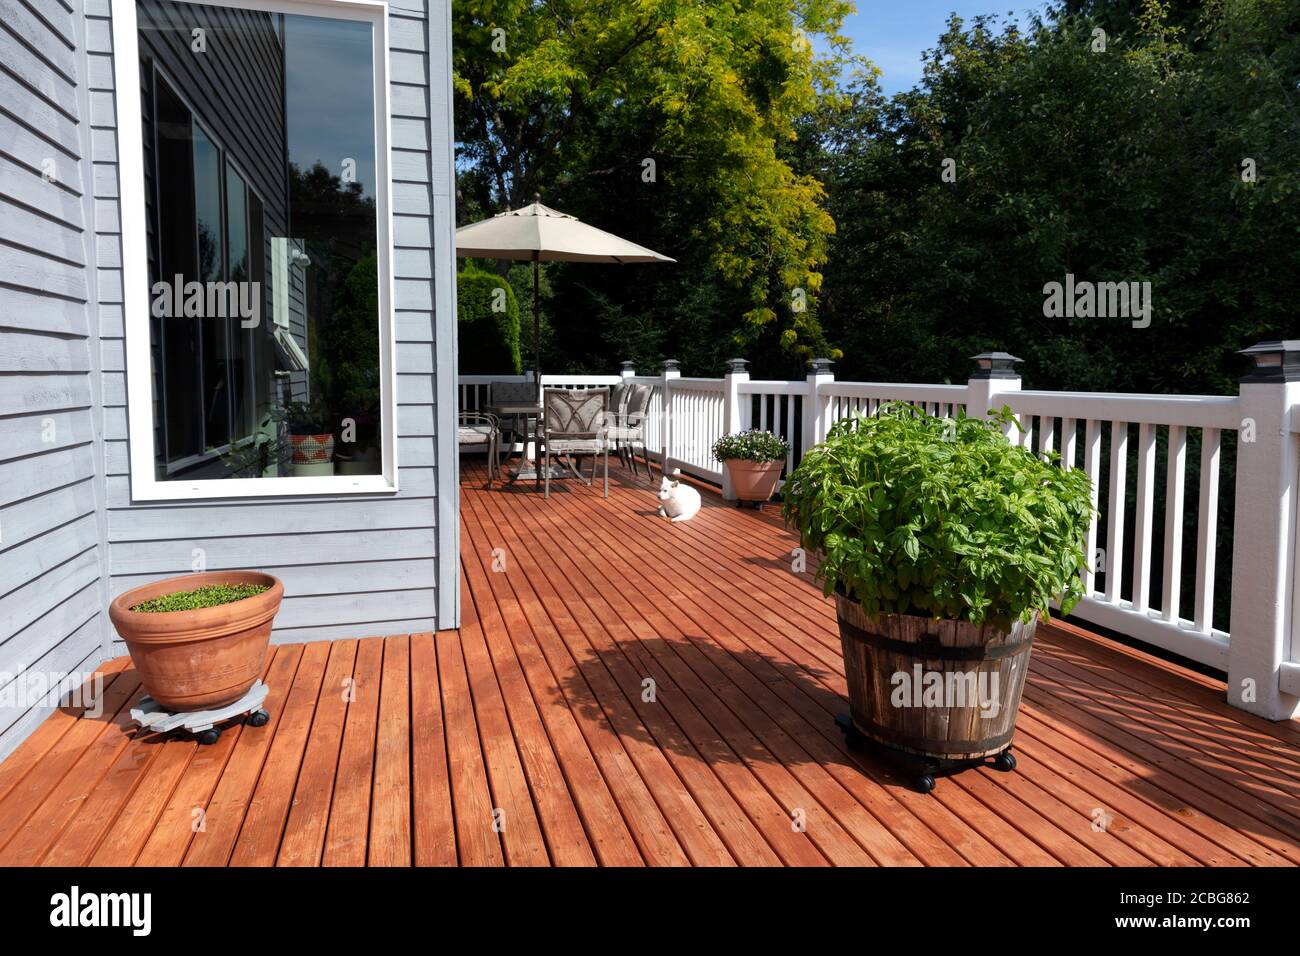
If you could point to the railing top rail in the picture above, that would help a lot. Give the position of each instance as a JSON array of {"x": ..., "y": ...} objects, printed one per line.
[
  {"x": 552, "y": 378},
  {"x": 699, "y": 384},
  {"x": 772, "y": 387},
  {"x": 1193, "y": 411},
  {"x": 903, "y": 390}
]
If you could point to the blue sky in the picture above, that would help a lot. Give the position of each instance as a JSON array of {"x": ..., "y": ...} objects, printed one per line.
[{"x": 893, "y": 33}]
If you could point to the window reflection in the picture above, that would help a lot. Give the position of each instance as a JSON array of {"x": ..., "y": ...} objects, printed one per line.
[{"x": 264, "y": 273}]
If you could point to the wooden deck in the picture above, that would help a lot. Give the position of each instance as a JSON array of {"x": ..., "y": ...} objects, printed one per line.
[{"x": 531, "y": 736}]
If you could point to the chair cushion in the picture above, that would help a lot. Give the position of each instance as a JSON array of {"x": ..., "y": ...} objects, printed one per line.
[
  {"x": 624, "y": 433},
  {"x": 575, "y": 446},
  {"x": 473, "y": 434}
]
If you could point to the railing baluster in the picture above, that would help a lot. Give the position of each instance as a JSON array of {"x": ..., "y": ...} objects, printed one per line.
[
  {"x": 1069, "y": 441},
  {"x": 1047, "y": 435},
  {"x": 788, "y": 434},
  {"x": 1146, "y": 489},
  {"x": 1115, "y": 510},
  {"x": 1175, "y": 498},
  {"x": 1092, "y": 465},
  {"x": 1207, "y": 530}
]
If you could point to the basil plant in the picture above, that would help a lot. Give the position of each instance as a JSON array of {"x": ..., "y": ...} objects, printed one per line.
[{"x": 946, "y": 518}]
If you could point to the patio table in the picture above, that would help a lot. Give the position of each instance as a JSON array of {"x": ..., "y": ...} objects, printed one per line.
[{"x": 529, "y": 413}]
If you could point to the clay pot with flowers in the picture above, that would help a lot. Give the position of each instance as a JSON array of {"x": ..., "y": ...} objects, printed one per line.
[{"x": 753, "y": 460}]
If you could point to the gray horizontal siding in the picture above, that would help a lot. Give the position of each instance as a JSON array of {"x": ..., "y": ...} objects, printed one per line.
[
  {"x": 352, "y": 566},
  {"x": 52, "y": 564},
  {"x": 70, "y": 534}
]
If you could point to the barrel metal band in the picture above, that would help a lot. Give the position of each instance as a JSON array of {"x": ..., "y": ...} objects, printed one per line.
[
  {"x": 929, "y": 647},
  {"x": 917, "y": 742}
]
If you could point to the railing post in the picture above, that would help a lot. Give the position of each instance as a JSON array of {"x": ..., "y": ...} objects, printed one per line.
[
  {"x": 816, "y": 406},
  {"x": 733, "y": 419},
  {"x": 994, "y": 375},
  {"x": 671, "y": 371},
  {"x": 1264, "y": 533},
  {"x": 627, "y": 371}
]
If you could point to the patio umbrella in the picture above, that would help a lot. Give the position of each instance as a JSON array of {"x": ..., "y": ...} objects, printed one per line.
[{"x": 538, "y": 233}]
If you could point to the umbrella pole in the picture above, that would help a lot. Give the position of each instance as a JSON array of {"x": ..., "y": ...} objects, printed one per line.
[
  {"x": 537, "y": 368},
  {"x": 537, "y": 333}
]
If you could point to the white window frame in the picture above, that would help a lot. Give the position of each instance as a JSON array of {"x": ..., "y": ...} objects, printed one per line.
[{"x": 145, "y": 486}]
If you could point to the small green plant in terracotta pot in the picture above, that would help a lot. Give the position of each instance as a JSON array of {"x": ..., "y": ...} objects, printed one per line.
[
  {"x": 199, "y": 641},
  {"x": 943, "y": 544},
  {"x": 753, "y": 460}
]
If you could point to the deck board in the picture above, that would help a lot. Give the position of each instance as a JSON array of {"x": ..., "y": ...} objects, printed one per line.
[{"x": 626, "y": 691}]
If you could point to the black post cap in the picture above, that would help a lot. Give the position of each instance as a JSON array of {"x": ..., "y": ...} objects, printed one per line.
[
  {"x": 1277, "y": 361},
  {"x": 670, "y": 365},
  {"x": 736, "y": 365},
  {"x": 820, "y": 365},
  {"x": 629, "y": 366},
  {"x": 995, "y": 365}
]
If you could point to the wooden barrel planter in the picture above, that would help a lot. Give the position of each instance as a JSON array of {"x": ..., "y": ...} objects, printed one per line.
[{"x": 948, "y": 691}]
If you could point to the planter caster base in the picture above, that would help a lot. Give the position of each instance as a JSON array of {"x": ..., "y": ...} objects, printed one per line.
[
  {"x": 920, "y": 770},
  {"x": 202, "y": 723}
]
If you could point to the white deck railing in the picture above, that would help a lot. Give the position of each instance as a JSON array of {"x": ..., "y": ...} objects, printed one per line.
[
  {"x": 1122, "y": 561},
  {"x": 1157, "y": 590}
]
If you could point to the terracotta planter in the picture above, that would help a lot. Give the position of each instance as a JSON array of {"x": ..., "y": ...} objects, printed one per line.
[
  {"x": 198, "y": 660},
  {"x": 754, "y": 480}
]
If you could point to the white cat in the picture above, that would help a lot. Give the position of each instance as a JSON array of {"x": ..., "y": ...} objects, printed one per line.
[{"x": 677, "y": 502}]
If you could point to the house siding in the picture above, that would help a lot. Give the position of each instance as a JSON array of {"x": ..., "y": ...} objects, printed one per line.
[
  {"x": 71, "y": 537},
  {"x": 52, "y": 552}
]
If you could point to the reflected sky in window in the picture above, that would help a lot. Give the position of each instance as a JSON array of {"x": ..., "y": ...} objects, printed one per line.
[{"x": 329, "y": 89}]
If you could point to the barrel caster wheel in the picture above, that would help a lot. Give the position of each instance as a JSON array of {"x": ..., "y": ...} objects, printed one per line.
[
  {"x": 258, "y": 718},
  {"x": 1005, "y": 761},
  {"x": 209, "y": 736},
  {"x": 923, "y": 783}
]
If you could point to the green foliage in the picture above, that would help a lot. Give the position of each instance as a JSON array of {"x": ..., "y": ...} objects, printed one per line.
[
  {"x": 488, "y": 323},
  {"x": 304, "y": 418},
  {"x": 572, "y": 97},
  {"x": 915, "y": 514},
  {"x": 352, "y": 336},
  {"x": 209, "y": 596},
  {"x": 1118, "y": 165},
  {"x": 752, "y": 445}
]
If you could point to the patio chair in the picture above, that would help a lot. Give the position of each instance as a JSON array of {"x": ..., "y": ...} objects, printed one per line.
[
  {"x": 573, "y": 423},
  {"x": 627, "y": 423},
  {"x": 482, "y": 428},
  {"x": 512, "y": 393}
]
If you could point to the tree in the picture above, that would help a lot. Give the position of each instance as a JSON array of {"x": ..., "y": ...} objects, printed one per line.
[
  {"x": 487, "y": 323},
  {"x": 1123, "y": 164},
  {"x": 666, "y": 121}
]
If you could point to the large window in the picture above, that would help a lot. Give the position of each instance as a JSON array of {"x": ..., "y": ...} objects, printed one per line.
[{"x": 259, "y": 334}]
